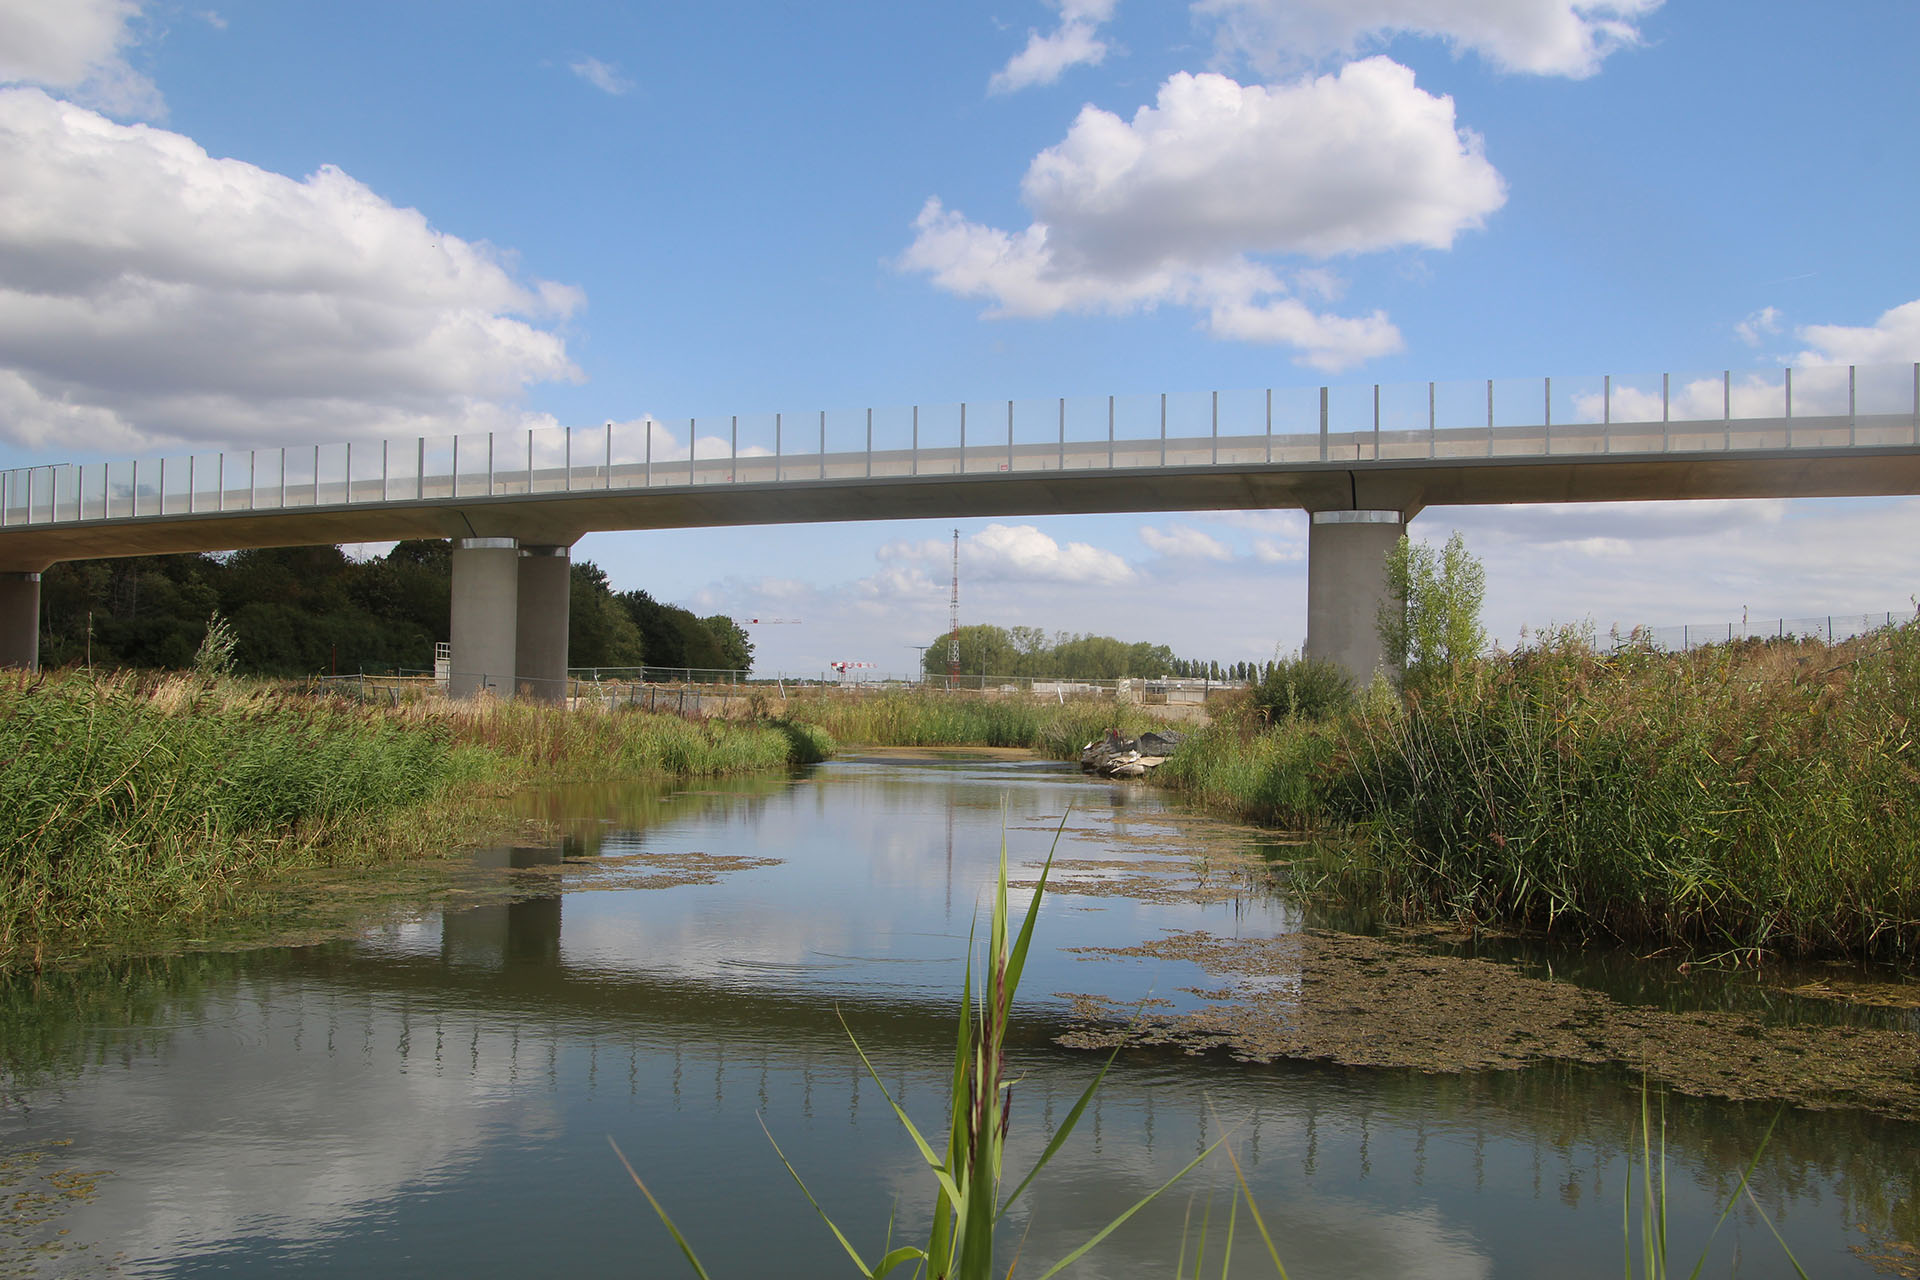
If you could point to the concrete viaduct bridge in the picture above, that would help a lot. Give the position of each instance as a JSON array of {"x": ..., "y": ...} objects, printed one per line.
[{"x": 1362, "y": 461}]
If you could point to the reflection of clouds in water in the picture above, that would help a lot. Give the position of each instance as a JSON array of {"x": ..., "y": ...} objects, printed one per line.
[
  {"x": 291, "y": 1114},
  {"x": 1124, "y": 1146},
  {"x": 872, "y": 874}
]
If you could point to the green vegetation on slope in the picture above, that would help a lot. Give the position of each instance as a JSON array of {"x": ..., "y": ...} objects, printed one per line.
[
  {"x": 1738, "y": 798},
  {"x": 124, "y": 798}
]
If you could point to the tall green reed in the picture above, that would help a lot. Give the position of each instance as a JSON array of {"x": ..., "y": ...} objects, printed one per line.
[
  {"x": 967, "y": 1169},
  {"x": 1738, "y": 799}
]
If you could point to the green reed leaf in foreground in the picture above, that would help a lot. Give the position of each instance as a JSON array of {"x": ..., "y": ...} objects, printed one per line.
[{"x": 967, "y": 1207}]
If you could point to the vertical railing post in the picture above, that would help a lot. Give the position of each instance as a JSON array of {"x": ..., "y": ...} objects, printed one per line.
[
  {"x": 1726, "y": 411},
  {"x": 1163, "y": 428},
  {"x": 609, "y": 474},
  {"x": 1376, "y": 422},
  {"x": 1269, "y": 424},
  {"x": 566, "y": 458},
  {"x": 823, "y": 444},
  {"x": 693, "y": 448},
  {"x": 1216, "y": 428},
  {"x": 316, "y": 465},
  {"x": 913, "y": 460},
  {"x": 1323, "y": 424},
  {"x": 386, "y": 471},
  {"x": 349, "y": 487},
  {"x": 253, "y": 480},
  {"x": 1606, "y": 413},
  {"x": 1666, "y": 412},
  {"x": 1916, "y": 383},
  {"x": 190, "y": 494},
  {"x": 1489, "y": 417},
  {"x": 220, "y": 481},
  {"x": 869, "y": 442},
  {"x": 648, "y": 455},
  {"x": 1853, "y": 416},
  {"x": 1789, "y": 397},
  {"x": 1549, "y": 414},
  {"x": 529, "y": 489},
  {"x": 420, "y": 469},
  {"x": 962, "y": 468},
  {"x": 283, "y": 473},
  {"x": 1433, "y": 422},
  {"x": 1063, "y": 433},
  {"x": 1009, "y": 437}
]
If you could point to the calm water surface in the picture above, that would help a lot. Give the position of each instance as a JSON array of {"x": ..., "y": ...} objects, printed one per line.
[{"x": 436, "y": 1096}]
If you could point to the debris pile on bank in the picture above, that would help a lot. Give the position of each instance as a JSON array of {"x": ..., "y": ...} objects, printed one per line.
[{"x": 1116, "y": 757}]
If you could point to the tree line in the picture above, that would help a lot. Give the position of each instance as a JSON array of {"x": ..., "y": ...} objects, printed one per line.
[
  {"x": 989, "y": 650},
  {"x": 312, "y": 610}
]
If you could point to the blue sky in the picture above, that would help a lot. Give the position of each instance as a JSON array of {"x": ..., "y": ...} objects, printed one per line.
[{"x": 254, "y": 224}]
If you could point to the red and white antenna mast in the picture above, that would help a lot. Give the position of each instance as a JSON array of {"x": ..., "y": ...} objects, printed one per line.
[{"x": 953, "y": 614}]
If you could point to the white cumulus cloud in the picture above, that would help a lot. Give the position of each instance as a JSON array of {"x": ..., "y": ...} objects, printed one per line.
[
  {"x": 1183, "y": 542},
  {"x": 1536, "y": 37},
  {"x": 1892, "y": 339},
  {"x": 1176, "y": 206},
  {"x": 151, "y": 293},
  {"x": 1759, "y": 325},
  {"x": 1017, "y": 553},
  {"x": 602, "y": 76},
  {"x": 1075, "y": 42},
  {"x": 77, "y": 47}
]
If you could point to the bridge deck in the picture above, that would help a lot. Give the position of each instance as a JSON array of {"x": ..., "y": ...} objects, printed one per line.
[{"x": 554, "y": 486}]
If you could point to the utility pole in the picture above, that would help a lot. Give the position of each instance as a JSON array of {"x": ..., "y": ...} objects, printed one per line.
[{"x": 953, "y": 617}]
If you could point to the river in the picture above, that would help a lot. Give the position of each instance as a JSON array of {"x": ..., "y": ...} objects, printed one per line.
[{"x": 435, "y": 1093}]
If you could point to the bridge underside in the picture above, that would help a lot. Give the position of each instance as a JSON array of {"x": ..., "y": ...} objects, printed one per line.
[{"x": 510, "y": 550}]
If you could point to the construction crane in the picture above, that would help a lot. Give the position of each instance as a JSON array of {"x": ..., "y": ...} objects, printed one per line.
[{"x": 953, "y": 616}]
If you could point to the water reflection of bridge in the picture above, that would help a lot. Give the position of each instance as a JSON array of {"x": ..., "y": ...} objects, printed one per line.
[{"x": 1363, "y": 461}]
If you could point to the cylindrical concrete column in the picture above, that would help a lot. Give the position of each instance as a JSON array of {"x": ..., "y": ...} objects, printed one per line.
[
  {"x": 1347, "y": 584},
  {"x": 545, "y": 576},
  {"x": 486, "y": 616},
  {"x": 20, "y": 620}
]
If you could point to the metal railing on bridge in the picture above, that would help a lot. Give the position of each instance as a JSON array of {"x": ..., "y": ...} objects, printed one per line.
[{"x": 1821, "y": 407}]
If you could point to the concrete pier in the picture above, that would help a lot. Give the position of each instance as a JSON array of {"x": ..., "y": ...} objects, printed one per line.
[
  {"x": 1347, "y": 584},
  {"x": 20, "y": 620},
  {"x": 540, "y": 670},
  {"x": 484, "y": 627}
]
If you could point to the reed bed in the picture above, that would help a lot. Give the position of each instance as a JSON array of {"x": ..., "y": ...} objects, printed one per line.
[
  {"x": 1058, "y": 730},
  {"x": 1743, "y": 799},
  {"x": 129, "y": 798}
]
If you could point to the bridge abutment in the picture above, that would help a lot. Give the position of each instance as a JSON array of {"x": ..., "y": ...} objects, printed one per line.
[
  {"x": 1347, "y": 584},
  {"x": 20, "y": 620},
  {"x": 540, "y": 670}
]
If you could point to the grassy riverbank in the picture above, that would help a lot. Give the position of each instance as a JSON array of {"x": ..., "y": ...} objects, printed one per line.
[
  {"x": 1741, "y": 798},
  {"x": 922, "y": 719},
  {"x": 134, "y": 799}
]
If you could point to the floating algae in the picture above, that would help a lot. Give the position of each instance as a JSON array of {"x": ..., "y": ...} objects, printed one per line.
[{"x": 1379, "y": 1002}]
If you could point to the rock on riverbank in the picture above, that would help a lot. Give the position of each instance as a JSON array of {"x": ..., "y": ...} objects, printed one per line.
[{"x": 1116, "y": 757}]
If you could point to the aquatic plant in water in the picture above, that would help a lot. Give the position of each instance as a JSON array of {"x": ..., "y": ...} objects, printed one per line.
[{"x": 968, "y": 1175}]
